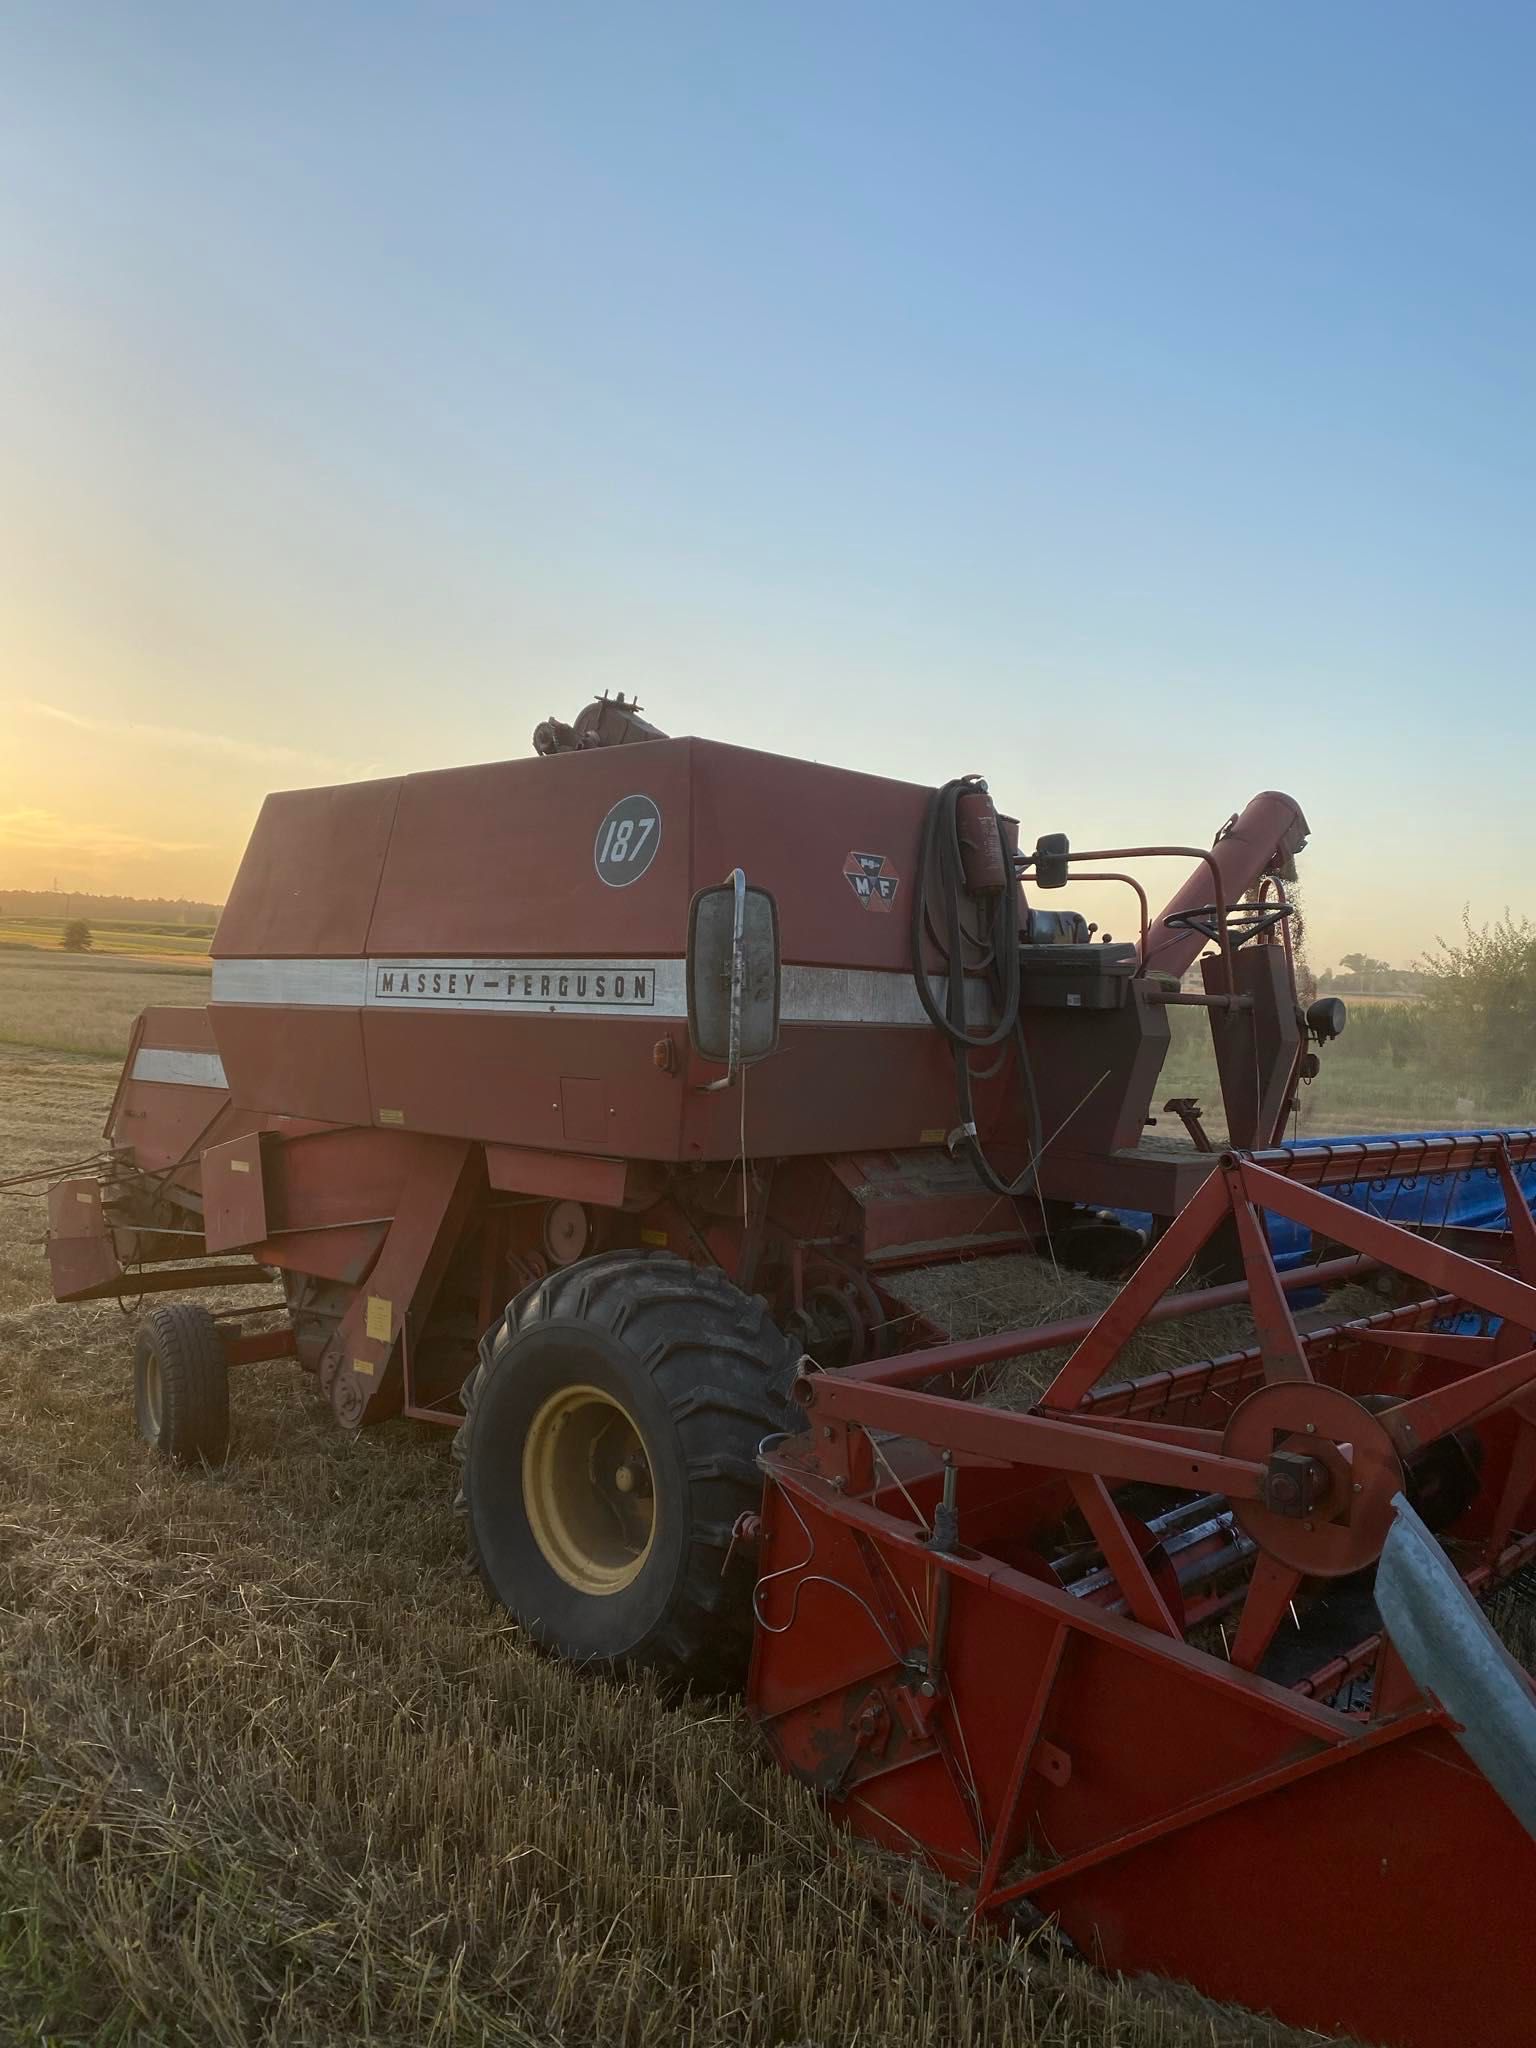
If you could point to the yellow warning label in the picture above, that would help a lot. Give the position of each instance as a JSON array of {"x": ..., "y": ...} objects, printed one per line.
[
  {"x": 84, "y": 1195},
  {"x": 653, "y": 1237},
  {"x": 239, "y": 1166},
  {"x": 380, "y": 1319},
  {"x": 931, "y": 1138},
  {"x": 365, "y": 1366},
  {"x": 391, "y": 1116}
]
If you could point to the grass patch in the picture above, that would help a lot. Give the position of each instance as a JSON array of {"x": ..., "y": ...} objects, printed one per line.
[
  {"x": 1351, "y": 1094},
  {"x": 132, "y": 937}
]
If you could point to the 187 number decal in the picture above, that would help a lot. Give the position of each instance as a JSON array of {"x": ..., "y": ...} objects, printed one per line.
[{"x": 626, "y": 841}]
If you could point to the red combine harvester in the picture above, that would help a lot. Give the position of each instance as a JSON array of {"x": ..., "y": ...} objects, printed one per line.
[{"x": 694, "y": 1052}]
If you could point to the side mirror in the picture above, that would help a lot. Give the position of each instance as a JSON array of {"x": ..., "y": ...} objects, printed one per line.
[
  {"x": 1051, "y": 868},
  {"x": 733, "y": 975}
]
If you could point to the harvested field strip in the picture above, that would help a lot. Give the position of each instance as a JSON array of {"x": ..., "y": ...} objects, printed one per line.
[
  {"x": 975, "y": 1297},
  {"x": 69, "y": 1002}
]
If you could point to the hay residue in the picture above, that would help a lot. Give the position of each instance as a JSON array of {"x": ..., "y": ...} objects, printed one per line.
[{"x": 975, "y": 1297}]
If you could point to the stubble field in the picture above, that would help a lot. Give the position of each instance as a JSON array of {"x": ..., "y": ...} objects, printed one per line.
[{"x": 271, "y": 1771}]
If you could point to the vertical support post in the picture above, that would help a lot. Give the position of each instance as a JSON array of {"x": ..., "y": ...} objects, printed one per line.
[
  {"x": 1121, "y": 1555},
  {"x": 434, "y": 1205},
  {"x": 1270, "y": 1593},
  {"x": 997, "y": 1848},
  {"x": 1284, "y": 1355}
]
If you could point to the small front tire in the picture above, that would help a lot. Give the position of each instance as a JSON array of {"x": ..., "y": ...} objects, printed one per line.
[{"x": 181, "y": 1384}]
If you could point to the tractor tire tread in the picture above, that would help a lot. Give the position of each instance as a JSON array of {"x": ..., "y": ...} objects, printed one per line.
[
  {"x": 194, "y": 1381},
  {"x": 725, "y": 1371}
]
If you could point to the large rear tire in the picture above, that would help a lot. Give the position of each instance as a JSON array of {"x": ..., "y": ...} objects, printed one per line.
[
  {"x": 181, "y": 1384},
  {"x": 608, "y": 1446}
]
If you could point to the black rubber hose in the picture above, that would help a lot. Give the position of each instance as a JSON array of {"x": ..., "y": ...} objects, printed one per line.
[
  {"x": 940, "y": 849},
  {"x": 941, "y": 863}
]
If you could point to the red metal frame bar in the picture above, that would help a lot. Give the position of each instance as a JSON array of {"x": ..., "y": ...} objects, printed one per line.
[
  {"x": 1203, "y": 854},
  {"x": 1002, "y": 1436},
  {"x": 255, "y": 1347},
  {"x": 1149, "y": 1775},
  {"x": 1029, "y": 1737},
  {"x": 1091, "y": 1450},
  {"x": 174, "y": 1280}
]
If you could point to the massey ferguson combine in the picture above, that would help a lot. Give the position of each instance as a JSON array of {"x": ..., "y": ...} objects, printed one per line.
[{"x": 690, "y": 1054}]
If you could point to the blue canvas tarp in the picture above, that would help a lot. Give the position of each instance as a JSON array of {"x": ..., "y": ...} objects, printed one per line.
[
  {"x": 1424, "y": 1200},
  {"x": 1417, "y": 1200}
]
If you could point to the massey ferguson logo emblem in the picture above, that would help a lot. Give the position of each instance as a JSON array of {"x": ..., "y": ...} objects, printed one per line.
[
  {"x": 872, "y": 879},
  {"x": 516, "y": 984}
]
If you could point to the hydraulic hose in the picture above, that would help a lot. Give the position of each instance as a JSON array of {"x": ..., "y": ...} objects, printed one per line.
[{"x": 938, "y": 914}]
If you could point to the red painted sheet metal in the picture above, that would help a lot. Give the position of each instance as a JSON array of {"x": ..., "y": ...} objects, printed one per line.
[
  {"x": 792, "y": 825},
  {"x": 498, "y": 860},
  {"x": 300, "y": 1062},
  {"x": 81, "y": 1255},
  {"x": 559, "y": 1083},
  {"x": 525, "y": 1170},
  {"x": 319, "y": 1180},
  {"x": 234, "y": 1193},
  {"x": 344, "y": 1255},
  {"x": 167, "y": 1127},
  {"x": 829, "y": 1089},
  {"x": 1390, "y": 1899},
  {"x": 593, "y": 1085},
  {"x": 180, "y": 1029},
  {"x": 1132, "y": 1785},
  {"x": 307, "y": 883}
]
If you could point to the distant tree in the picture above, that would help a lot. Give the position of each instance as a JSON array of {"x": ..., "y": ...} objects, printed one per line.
[
  {"x": 1364, "y": 968},
  {"x": 77, "y": 936},
  {"x": 1481, "y": 996}
]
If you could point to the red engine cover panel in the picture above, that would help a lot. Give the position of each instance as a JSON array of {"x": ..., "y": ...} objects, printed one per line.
[{"x": 497, "y": 952}]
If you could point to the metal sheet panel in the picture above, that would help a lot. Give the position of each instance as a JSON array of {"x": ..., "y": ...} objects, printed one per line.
[
  {"x": 234, "y": 1195},
  {"x": 502, "y": 859},
  {"x": 307, "y": 883},
  {"x": 299, "y": 1062}
]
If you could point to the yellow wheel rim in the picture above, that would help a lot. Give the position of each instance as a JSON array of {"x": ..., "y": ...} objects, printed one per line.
[
  {"x": 588, "y": 1491},
  {"x": 154, "y": 1399}
]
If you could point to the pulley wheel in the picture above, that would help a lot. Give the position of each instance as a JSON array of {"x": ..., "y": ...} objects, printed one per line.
[
  {"x": 567, "y": 1232},
  {"x": 1346, "y": 1528}
]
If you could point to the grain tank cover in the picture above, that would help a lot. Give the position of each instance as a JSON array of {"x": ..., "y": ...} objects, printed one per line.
[{"x": 498, "y": 952}]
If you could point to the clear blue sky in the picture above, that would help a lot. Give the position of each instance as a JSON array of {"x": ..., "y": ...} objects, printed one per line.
[{"x": 1132, "y": 402}]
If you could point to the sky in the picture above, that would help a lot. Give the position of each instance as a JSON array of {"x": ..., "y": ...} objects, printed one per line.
[{"x": 1130, "y": 403}]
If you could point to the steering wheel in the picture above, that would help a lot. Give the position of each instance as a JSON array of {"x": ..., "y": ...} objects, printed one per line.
[{"x": 1245, "y": 921}]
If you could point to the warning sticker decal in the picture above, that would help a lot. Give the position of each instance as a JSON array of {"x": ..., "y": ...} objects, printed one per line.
[{"x": 872, "y": 879}]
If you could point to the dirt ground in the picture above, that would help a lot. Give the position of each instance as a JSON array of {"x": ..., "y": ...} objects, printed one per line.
[{"x": 271, "y": 1771}]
